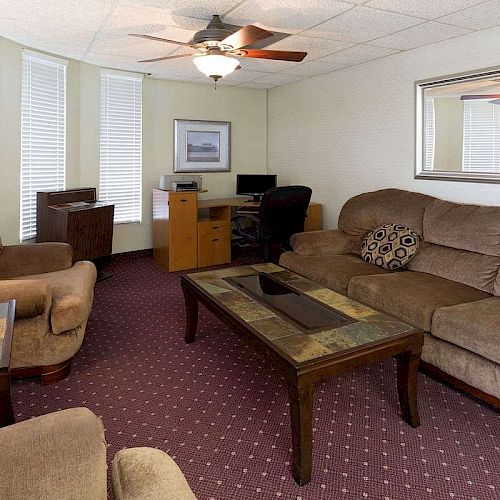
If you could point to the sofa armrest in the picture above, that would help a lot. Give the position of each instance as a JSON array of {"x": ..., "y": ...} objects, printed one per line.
[
  {"x": 32, "y": 296},
  {"x": 324, "y": 242},
  {"x": 23, "y": 260},
  {"x": 58, "y": 455},
  {"x": 148, "y": 474}
]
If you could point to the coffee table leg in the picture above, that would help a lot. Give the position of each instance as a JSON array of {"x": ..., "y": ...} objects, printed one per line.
[
  {"x": 407, "y": 386},
  {"x": 301, "y": 402},
  {"x": 191, "y": 303},
  {"x": 6, "y": 411}
]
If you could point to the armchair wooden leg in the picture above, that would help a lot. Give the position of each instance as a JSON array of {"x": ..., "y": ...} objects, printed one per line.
[{"x": 48, "y": 374}]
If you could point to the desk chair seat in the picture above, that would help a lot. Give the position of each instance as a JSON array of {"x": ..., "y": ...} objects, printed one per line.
[{"x": 282, "y": 213}]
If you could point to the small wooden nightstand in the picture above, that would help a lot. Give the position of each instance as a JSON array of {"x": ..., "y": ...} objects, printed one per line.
[{"x": 7, "y": 313}]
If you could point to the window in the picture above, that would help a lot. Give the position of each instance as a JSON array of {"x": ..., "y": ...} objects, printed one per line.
[
  {"x": 121, "y": 144},
  {"x": 481, "y": 148},
  {"x": 430, "y": 133},
  {"x": 43, "y": 131}
]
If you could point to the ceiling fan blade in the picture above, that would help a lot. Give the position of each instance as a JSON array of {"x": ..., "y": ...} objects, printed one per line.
[
  {"x": 245, "y": 36},
  {"x": 158, "y": 39},
  {"x": 279, "y": 55},
  {"x": 165, "y": 58},
  {"x": 479, "y": 96}
]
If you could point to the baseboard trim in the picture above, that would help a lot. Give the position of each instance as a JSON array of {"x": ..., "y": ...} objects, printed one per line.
[{"x": 442, "y": 376}]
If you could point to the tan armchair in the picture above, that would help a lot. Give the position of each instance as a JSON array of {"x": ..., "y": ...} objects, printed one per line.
[
  {"x": 53, "y": 302},
  {"x": 63, "y": 455}
]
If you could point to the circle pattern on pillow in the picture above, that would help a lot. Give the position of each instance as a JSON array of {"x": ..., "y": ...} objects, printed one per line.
[{"x": 390, "y": 246}]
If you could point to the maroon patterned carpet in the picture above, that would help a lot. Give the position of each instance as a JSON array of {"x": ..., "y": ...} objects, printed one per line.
[{"x": 222, "y": 412}]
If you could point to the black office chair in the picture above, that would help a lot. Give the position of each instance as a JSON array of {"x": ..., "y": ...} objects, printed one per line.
[{"x": 282, "y": 213}]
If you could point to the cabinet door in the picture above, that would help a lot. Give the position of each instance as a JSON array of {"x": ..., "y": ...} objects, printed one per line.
[
  {"x": 214, "y": 243},
  {"x": 183, "y": 229}
]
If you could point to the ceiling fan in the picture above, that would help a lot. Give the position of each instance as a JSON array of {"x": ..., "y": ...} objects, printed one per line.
[{"x": 216, "y": 48}]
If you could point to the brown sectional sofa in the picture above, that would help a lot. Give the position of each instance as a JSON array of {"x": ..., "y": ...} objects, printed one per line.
[
  {"x": 450, "y": 289},
  {"x": 53, "y": 302}
]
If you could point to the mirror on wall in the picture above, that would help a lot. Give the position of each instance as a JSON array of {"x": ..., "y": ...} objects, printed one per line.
[{"x": 458, "y": 127}]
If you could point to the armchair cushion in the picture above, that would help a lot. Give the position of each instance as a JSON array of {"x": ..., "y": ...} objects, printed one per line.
[
  {"x": 148, "y": 473},
  {"x": 72, "y": 291},
  {"x": 24, "y": 260},
  {"x": 324, "y": 242},
  {"x": 31, "y": 296},
  {"x": 59, "y": 455}
]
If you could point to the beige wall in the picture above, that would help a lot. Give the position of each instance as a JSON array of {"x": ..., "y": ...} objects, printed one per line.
[
  {"x": 163, "y": 101},
  {"x": 352, "y": 131}
]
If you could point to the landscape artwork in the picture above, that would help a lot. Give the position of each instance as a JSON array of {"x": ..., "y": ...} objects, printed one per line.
[{"x": 203, "y": 146}]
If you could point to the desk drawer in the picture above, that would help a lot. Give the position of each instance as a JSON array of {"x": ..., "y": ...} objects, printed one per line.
[{"x": 214, "y": 243}]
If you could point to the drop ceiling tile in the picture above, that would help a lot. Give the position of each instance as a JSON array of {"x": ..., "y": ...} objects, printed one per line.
[
  {"x": 360, "y": 54},
  {"x": 135, "y": 47},
  {"x": 114, "y": 61},
  {"x": 183, "y": 67},
  {"x": 264, "y": 65},
  {"x": 316, "y": 67},
  {"x": 289, "y": 16},
  {"x": 428, "y": 9},
  {"x": 201, "y": 9},
  {"x": 279, "y": 79},
  {"x": 255, "y": 85},
  {"x": 423, "y": 34},
  {"x": 480, "y": 17},
  {"x": 66, "y": 42},
  {"x": 148, "y": 20},
  {"x": 315, "y": 47},
  {"x": 362, "y": 24},
  {"x": 81, "y": 15}
]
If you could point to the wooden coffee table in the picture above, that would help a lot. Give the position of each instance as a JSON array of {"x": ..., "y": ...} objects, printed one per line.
[
  {"x": 309, "y": 332},
  {"x": 7, "y": 311}
]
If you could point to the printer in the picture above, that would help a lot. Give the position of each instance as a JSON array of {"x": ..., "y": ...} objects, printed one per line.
[{"x": 180, "y": 182}]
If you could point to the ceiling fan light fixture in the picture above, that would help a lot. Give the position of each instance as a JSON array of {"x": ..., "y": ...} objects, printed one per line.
[{"x": 215, "y": 65}]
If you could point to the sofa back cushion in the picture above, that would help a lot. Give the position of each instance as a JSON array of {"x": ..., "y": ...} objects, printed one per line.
[
  {"x": 387, "y": 206},
  {"x": 468, "y": 227},
  {"x": 470, "y": 268}
]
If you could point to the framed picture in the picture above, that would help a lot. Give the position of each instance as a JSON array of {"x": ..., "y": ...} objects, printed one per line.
[{"x": 202, "y": 146}]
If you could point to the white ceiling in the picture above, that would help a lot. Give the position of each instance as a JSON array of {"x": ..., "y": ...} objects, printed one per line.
[{"x": 336, "y": 34}]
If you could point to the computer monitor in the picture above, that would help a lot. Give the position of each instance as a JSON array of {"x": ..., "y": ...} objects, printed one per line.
[{"x": 255, "y": 184}]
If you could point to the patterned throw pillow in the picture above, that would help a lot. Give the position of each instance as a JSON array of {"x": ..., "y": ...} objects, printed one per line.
[{"x": 390, "y": 246}]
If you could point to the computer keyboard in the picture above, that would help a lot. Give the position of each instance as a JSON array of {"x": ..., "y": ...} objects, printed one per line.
[{"x": 248, "y": 210}]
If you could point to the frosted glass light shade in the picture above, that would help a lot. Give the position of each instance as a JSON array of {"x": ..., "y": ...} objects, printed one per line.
[{"x": 215, "y": 64}]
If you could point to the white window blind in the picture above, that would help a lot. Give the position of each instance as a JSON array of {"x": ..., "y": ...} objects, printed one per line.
[
  {"x": 430, "y": 134},
  {"x": 43, "y": 132},
  {"x": 121, "y": 144},
  {"x": 481, "y": 148}
]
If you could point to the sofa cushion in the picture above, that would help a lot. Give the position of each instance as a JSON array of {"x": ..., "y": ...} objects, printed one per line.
[
  {"x": 72, "y": 295},
  {"x": 469, "y": 227},
  {"x": 390, "y": 246},
  {"x": 411, "y": 296},
  {"x": 470, "y": 268},
  {"x": 332, "y": 271},
  {"x": 367, "y": 211},
  {"x": 473, "y": 326}
]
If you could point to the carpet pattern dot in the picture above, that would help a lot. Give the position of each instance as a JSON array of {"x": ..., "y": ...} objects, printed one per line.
[{"x": 222, "y": 412}]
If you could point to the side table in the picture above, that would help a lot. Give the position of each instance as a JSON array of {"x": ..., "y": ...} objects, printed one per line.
[{"x": 7, "y": 313}]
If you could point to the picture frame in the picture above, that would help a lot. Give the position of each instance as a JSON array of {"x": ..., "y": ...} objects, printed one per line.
[{"x": 202, "y": 146}]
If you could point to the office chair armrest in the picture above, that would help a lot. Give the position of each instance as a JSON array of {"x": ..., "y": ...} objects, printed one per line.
[{"x": 324, "y": 242}]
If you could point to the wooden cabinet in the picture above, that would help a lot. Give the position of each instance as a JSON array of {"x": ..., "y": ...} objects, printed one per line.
[
  {"x": 214, "y": 242},
  {"x": 175, "y": 221}
]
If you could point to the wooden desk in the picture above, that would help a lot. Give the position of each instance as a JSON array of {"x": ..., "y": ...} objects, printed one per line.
[
  {"x": 189, "y": 232},
  {"x": 88, "y": 228}
]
